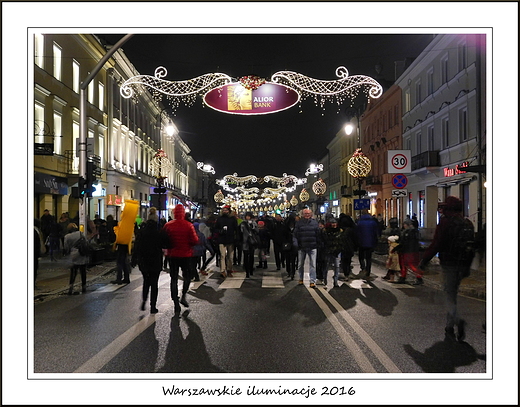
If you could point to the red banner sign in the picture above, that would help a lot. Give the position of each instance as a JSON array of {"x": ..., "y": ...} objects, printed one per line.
[{"x": 236, "y": 99}]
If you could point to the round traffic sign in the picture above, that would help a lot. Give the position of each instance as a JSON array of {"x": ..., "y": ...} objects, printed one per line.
[
  {"x": 399, "y": 161},
  {"x": 399, "y": 181}
]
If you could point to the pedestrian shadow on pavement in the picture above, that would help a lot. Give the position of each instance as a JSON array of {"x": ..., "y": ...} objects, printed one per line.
[
  {"x": 207, "y": 293},
  {"x": 444, "y": 356},
  {"x": 382, "y": 301}
]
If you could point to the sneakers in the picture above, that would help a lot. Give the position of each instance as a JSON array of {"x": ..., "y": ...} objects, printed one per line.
[
  {"x": 401, "y": 280},
  {"x": 418, "y": 281},
  {"x": 320, "y": 282},
  {"x": 312, "y": 285},
  {"x": 300, "y": 282},
  {"x": 223, "y": 274}
]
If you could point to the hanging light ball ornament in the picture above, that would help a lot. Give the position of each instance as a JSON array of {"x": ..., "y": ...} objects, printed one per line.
[
  {"x": 160, "y": 165},
  {"x": 319, "y": 187},
  {"x": 359, "y": 164},
  {"x": 304, "y": 195},
  {"x": 219, "y": 196},
  {"x": 294, "y": 201}
]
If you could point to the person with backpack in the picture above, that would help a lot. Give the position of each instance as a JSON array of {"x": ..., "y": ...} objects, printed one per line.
[
  {"x": 452, "y": 240},
  {"x": 79, "y": 261},
  {"x": 148, "y": 255}
]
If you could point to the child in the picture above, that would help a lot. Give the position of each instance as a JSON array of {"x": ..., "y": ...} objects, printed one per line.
[{"x": 392, "y": 262}]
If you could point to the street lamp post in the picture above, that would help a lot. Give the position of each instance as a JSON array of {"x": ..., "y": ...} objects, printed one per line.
[{"x": 160, "y": 166}]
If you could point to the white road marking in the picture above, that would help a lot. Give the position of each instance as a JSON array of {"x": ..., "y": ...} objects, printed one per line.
[
  {"x": 272, "y": 280},
  {"x": 362, "y": 361},
  {"x": 96, "y": 363},
  {"x": 374, "y": 347}
]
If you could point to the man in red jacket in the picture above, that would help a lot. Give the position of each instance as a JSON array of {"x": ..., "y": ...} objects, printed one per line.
[{"x": 182, "y": 238}]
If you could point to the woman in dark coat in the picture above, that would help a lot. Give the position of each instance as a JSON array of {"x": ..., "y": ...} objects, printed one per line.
[
  {"x": 291, "y": 249},
  {"x": 148, "y": 255}
]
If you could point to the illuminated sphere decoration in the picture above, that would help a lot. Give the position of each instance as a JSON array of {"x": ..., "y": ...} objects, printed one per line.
[
  {"x": 319, "y": 187},
  {"x": 160, "y": 165},
  {"x": 359, "y": 164},
  {"x": 304, "y": 195},
  {"x": 294, "y": 201},
  {"x": 219, "y": 196}
]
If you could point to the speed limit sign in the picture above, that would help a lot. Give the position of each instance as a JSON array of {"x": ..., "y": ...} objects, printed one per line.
[{"x": 399, "y": 161}]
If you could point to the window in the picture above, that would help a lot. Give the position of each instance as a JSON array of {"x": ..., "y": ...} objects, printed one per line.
[
  {"x": 431, "y": 138},
  {"x": 407, "y": 101},
  {"x": 446, "y": 132},
  {"x": 418, "y": 143},
  {"x": 418, "y": 92},
  {"x": 408, "y": 144},
  {"x": 39, "y": 123},
  {"x": 91, "y": 92},
  {"x": 444, "y": 70},
  {"x": 57, "y": 133},
  {"x": 462, "y": 56},
  {"x": 38, "y": 49},
  {"x": 430, "y": 82},
  {"x": 75, "y": 76},
  {"x": 56, "y": 50},
  {"x": 101, "y": 96},
  {"x": 463, "y": 124},
  {"x": 75, "y": 137}
]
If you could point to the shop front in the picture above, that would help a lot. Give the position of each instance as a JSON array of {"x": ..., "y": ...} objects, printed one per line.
[{"x": 50, "y": 192}]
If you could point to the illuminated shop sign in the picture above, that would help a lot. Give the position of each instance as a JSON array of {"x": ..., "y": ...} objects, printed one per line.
[
  {"x": 236, "y": 99},
  {"x": 114, "y": 200},
  {"x": 458, "y": 169}
]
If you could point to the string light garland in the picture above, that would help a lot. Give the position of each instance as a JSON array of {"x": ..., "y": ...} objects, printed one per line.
[{"x": 187, "y": 91}]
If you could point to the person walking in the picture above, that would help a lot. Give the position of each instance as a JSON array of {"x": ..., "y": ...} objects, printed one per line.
[
  {"x": 263, "y": 248},
  {"x": 334, "y": 246},
  {"x": 248, "y": 231},
  {"x": 182, "y": 237},
  {"x": 77, "y": 261},
  {"x": 350, "y": 245},
  {"x": 148, "y": 255},
  {"x": 227, "y": 227},
  {"x": 455, "y": 260},
  {"x": 277, "y": 231},
  {"x": 290, "y": 246},
  {"x": 306, "y": 234},
  {"x": 321, "y": 253},
  {"x": 199, "y": 252},
  {"x": 368, "y": 236},
  {"x": 392, "y": 261},
  {"x": 408, "y": 251}
]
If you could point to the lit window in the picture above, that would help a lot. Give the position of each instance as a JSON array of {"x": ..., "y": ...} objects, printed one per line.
[
  {"x": 56, "y": 50},
  {"x": 101, "y": 95},
  {"x": 38, "y": 49},
  {"x": 75, "y": 76},
  {"x": 57, "y": 133}
]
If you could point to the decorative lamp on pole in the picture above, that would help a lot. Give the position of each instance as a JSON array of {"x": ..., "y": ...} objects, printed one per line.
[
  {"x": 358, "y": 167},
  {"x": 206, "y": 169},
  {"x": 319, "y": 188},
  {"x": 161, "y": 167}
]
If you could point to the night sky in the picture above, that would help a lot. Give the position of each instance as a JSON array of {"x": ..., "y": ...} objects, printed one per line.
[{"x": 277, "y": 143}]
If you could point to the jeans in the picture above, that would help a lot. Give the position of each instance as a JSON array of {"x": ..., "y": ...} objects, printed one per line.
[
  {"x": 333, "y": 262},
  {"x": 184, "y": 264},
  {"x": 311, "y": 253},
  {"x": 452, "y": 278},
  {"x": 365, "y": 258}
]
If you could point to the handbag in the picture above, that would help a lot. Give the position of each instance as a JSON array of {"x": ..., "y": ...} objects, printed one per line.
[{"x": 254, "y": 239}]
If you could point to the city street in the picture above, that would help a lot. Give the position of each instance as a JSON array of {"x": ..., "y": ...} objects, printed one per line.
[{"x": 265, "y": 324}]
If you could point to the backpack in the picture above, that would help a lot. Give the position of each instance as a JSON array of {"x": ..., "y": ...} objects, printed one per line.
[
  {"x": 462, "y": 242},
  {"x": 83, "y": 245}
]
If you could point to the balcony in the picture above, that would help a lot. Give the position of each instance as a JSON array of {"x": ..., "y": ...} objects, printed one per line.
[{"x": 426, "y": 159}]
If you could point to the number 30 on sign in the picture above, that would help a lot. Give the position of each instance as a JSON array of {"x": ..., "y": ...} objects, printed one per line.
[{"x": 399, "y": 161}]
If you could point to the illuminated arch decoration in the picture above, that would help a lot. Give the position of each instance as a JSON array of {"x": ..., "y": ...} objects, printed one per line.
[
  {"x": 187, "y": 91},
  {"x": 346, "y": 87}
]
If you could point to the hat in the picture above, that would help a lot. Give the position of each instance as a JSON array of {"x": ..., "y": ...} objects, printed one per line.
[
  {"x": 261, "y": 223},
  {"x": 393, "y": 239},
  {"x": 451, "y": 202},
  {"x": 226, "y": 207},
  {"x": 250, "y": 214}
]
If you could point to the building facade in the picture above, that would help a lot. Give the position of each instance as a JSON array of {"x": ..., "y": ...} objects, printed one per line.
[
  {"x": 443, "y": 101},
  {"x": 123, "y": 135}
]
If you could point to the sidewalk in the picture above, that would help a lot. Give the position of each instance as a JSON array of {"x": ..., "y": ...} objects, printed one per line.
[
  {"x": 472, "y": 286},
  {"x": 53, "y": 276}
]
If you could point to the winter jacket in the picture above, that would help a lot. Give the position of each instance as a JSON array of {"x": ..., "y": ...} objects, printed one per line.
[
  {"x": 181, "y": 233},
  {"x": 68, "y": 245},
  {"x": 203, "y": 244},
  {"x": 408, "y": 241},
  {"x": 246, "y": 230},
  {"x": 367, "y": 232},
  {"x": 334, "y": 241},
  {"x": 147, "y": 252},
  {"x": 227, "y": 229},
  {"x": 306, "y": 234}
]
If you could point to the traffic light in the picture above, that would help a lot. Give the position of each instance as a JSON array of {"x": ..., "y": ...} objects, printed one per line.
[{"x": 93, "y": 173}]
